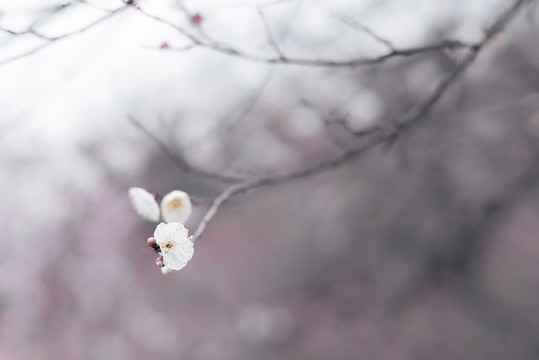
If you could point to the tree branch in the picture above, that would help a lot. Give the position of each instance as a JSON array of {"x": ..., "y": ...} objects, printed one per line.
[
  {"x": 418, "y": 112},
  {"x": 357, "y": 26},
  {"x": 269, "y": 34},
  {"x": 50, "y": 40},
  {"x": 385, "y": 135},
  {"x": 228, "y": 50},
  {"x": 182, "y": 163},
  {"x": 216, "y": 204}
]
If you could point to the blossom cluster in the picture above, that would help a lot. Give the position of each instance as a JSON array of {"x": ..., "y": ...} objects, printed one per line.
[{"x": 171, "y": 239}]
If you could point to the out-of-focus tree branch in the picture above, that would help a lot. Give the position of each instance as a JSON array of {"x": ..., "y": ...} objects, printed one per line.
[
  {"x": 457, "y": 257},
  {"x": 49, "y": 40},
  {"x": 453, "y": 262},
  {"x": 224, "y": 48},
  {"x": 221, "y": 47},
  {"x": 379, "y": 135},
  {"x": 269, "y": 34},
  {"x": 360, "y": 27},
  {"x": 216, "y": 204},
  {"x": 385, "y": 135},
  {"x": 417, "y": 113},
  {"x": 181, "y": 162}
]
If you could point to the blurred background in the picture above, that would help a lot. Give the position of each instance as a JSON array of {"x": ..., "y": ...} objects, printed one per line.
[{"x": 424, "y": 250}]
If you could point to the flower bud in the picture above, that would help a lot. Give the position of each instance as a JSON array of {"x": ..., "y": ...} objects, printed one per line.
[
  {"x": 176, "y": 207},
  {"x": 166, "y": 270},
  {"x": 152, "y": 243},
  {"x": 159, "y": 261}
]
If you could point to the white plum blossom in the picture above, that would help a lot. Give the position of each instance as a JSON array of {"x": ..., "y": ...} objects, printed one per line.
[
  {"x": 176, "y": 247},
  {"x": 144, "y": 203},
  {"x": 171, "y": 239},
  {"x": 176, "y": 207}
]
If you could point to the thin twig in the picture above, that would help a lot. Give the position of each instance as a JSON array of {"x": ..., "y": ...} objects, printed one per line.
[
  {"x": 228, "y": 50},
  {"x": 52, "y": 39},
  {"x": 182, "y": 163},
  {"x": 224, "y": 48},
  {"x": 216, "y": 204},
  {"x": 218, "y": 5},
  {"x": 357, "y": 26},
  {"x": 177, "y": 49},
  {"x": 328, "y": 122},
  {"x": 269, "y": 34},
  {"x": 187, "y": 34}
]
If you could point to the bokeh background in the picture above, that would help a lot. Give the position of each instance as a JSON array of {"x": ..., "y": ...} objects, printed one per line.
[{"x": 424, "y": 250}]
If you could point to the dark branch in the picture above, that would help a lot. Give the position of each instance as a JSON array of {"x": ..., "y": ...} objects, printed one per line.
[{"x": 228, "y": 50}]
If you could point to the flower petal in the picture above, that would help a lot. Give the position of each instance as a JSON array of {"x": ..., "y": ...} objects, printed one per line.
[
  {"x": 172, "y": 232},
  {"x": 174, "y": 244},
  {"x": 176, "y": 207},
  {"x": 144, "y": 203},
  {"x": 174, "y": 262},
  {"x": 184, "y": 251}
]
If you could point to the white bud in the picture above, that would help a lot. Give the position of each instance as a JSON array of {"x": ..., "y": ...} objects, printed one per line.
[{"x": 176, "y": 207}]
